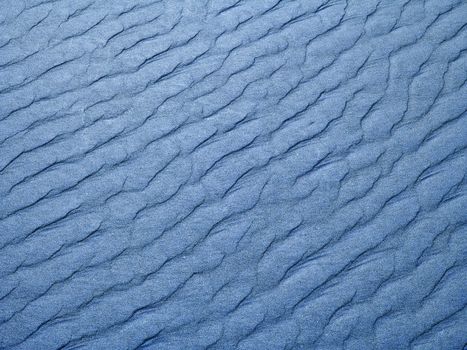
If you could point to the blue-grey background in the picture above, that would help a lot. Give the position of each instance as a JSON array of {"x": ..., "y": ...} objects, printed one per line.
[{"x": 233, "y": 174}]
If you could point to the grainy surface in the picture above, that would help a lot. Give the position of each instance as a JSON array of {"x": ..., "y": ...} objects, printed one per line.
[{"x": 233, "y": 174}]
